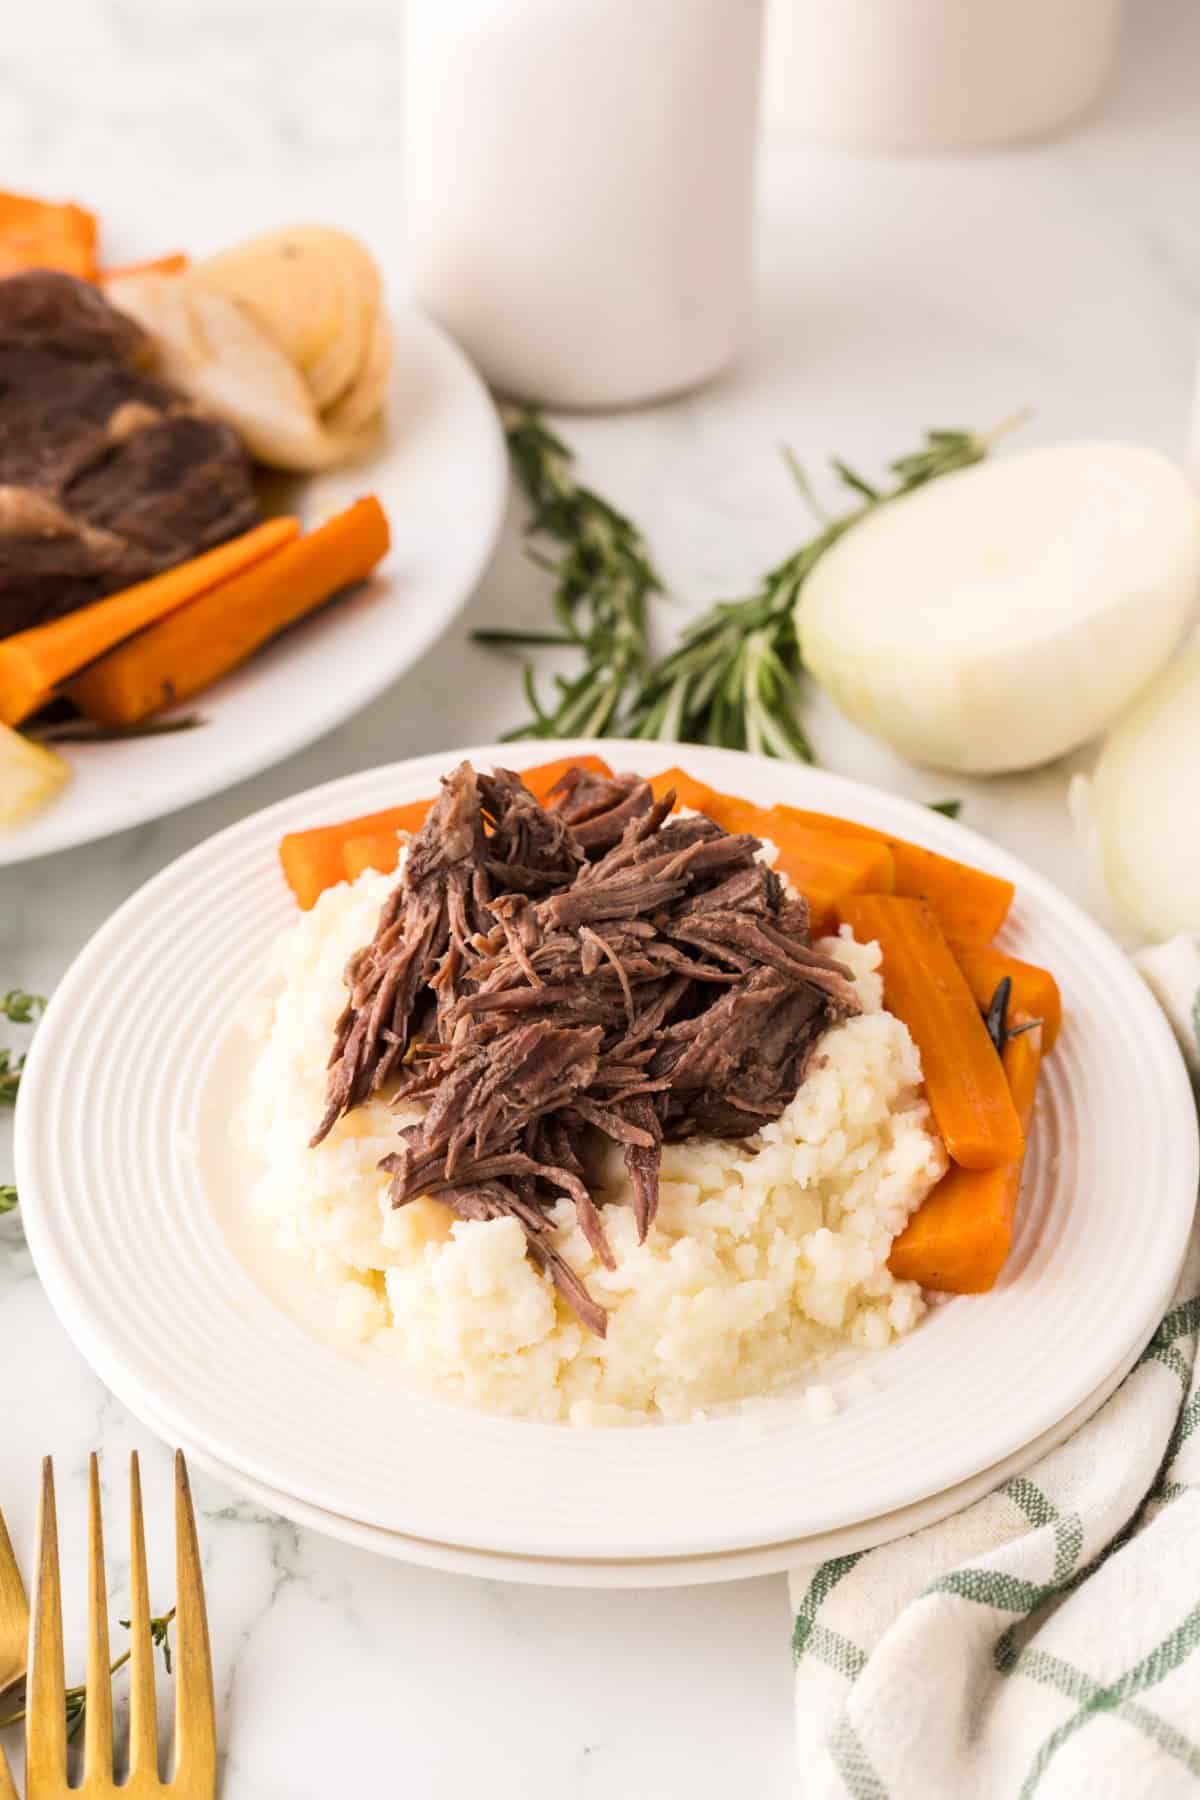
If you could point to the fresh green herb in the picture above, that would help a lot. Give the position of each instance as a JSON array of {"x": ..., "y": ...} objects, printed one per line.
[
  {"x": 733, "y": 678},
  {"x": 602, "y": 579},
  {"x": 949, "y": 809},
  {"x": 996, "y": 1017},
  {"x": 19, "y": 1008},
  {"x": 160, "y": 1626},
  {"x": 76, "y": 1697},
  {"x": 83, "y": 731}
]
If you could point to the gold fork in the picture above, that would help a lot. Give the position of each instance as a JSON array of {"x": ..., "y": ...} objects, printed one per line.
[
  {"x": 14, "y": 1638},
  {"x": 195, "y": 1776}
]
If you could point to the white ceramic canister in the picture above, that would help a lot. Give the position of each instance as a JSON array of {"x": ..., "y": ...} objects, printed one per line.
[
  {"x": 579, "y": 188},
  {"x": 935, "y": 74}
]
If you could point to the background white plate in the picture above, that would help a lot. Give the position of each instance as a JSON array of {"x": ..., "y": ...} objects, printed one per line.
[
  {"x": 128, "y": 1247},
  {"x": 442, "y": 476}
]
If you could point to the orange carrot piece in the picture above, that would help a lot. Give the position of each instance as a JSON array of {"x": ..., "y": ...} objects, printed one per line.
[
  {"x": 378, "y": 850},
  {"x": 969, "y": 903},
  {"x": 33, "y": 663},
  {"x": 924, "y": 986},
  {"x": 1035, "y": 992},
  {"x": 44, "y": 234},
  {"x": 174, "y": 263},
  {"x": 688, "y": 791},
  {"x": 317, "y": 859},
  {"x": 314, "y": 860},
  {"x": 959, "y": 1238},
  {"x": 194, "y": 646}
]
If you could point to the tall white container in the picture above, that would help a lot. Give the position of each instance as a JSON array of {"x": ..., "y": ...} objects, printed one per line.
[
  {"x": 579, "y": 188},
  {"x": 935, "y": 74}
]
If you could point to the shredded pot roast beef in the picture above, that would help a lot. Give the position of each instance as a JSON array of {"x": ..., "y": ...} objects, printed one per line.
[{"x": 543, "y": 978}]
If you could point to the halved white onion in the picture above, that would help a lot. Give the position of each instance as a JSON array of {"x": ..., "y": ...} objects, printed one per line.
[{"x": 1005, "y": 614}]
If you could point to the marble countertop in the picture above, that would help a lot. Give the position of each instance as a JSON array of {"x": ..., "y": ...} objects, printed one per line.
[{"x": 893, "y": 295}]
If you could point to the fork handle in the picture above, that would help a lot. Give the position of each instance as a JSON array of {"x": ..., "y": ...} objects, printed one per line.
[{"x": 8, "y": 1787}]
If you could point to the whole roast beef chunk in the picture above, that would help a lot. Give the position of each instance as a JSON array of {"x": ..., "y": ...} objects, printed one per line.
[
  {"x": 108, "y": 475},
  {"x": 44, "y": 309},
  {"x": 51, "y": 563},
  {"x": 55, "y": 410},
  {"x": 174, "y": 487}
]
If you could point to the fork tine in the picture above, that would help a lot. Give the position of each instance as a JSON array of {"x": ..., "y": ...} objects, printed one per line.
[
  {"x": 143, "y": 1712},
  {"x": 195, "y": 1724},
  {"x": 97, "y": 1723},
  {"x": 46, "y": 1719}
]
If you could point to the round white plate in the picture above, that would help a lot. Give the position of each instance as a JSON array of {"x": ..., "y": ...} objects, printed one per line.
[
  {"x": 442, "y": 476},
  {"x": 128, "y": 1245},
  {"x": 677, "y": 1571}
]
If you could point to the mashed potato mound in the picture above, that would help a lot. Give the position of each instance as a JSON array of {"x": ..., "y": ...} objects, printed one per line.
[{"x": 765, "y": 1256}]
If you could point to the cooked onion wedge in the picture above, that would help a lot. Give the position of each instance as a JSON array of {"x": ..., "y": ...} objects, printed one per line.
[
  {"x": 211, "y": 348},
  {"x": 363, "y": 404},
  {"x": 30, "y": 776},
  {"x": 317, "y": 294}
]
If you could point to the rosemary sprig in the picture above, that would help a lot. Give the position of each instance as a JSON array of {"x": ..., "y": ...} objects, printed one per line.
[
  {"x": 602, "y": 579},
  {"x": 84, "y": 731},
  {"x": 76, "y": 1697},
  {"x": 996, "y": 1017},
  {"x": 733, "y": 680}
]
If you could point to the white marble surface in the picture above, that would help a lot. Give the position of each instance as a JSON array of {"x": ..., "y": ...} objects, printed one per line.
[{"x": 894, "y": 295}]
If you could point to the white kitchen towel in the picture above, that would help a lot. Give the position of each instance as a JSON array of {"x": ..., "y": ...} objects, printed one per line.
[{"x": 1046, "y": 1641}]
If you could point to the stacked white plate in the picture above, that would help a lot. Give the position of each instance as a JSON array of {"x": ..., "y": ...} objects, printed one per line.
[{"x": 127, "y": 1233}]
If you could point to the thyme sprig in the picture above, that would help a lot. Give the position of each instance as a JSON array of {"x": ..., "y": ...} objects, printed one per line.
[
  {"x": 603, "y": 577},
  {"x": 19, "y": 1008},
  {"x": 76, "y": 1697},
  {"x": 733, "y": 678}
]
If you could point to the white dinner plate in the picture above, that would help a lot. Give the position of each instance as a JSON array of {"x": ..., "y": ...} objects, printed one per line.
[
  {"x": 671, "y": 1571},
  {"x": 441, "y": 473},
  {"x": 129, "y": 1246}
]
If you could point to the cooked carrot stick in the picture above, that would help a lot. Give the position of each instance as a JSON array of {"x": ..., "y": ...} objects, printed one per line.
[
  {"x": 688, "y": 791},
  {"x": 1035, "y": 992},
  {"x": 172, "y": 264},
  {"x": 33, "y": 663},
  {"x": 378, "y": 850},
  {"x": 44, "y": 234},
  {"x": 924, "y": 986},
  {"x": 316, "y": 859},
  {"x": 959, "y": 1238},
  {"x": 969, "y": 902},
  {"x": 195, "y": 646}
]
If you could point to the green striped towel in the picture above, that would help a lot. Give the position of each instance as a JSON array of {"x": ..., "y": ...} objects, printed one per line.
[{"x": 1045, "y": 1641}]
